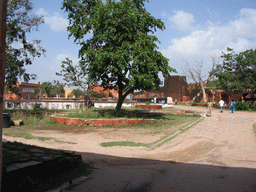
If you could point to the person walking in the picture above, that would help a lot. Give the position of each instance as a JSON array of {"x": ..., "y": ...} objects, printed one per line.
[
  {"x": 209, "y": 109},
  {"x": 233, "y": 106},
  {"x": 221, "y": 102}
]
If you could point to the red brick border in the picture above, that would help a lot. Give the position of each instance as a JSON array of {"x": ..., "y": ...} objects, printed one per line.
[
  {"x": 201, "y": 104},
  {"x": 149, "y": 106},
  {"x": 98, "y": 122}
]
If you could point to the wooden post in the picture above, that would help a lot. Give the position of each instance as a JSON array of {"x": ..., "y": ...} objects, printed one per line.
[{"x": 3, "y": 13}]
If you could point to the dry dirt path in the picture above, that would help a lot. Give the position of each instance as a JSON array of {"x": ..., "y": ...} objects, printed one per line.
[
  {"x": 217, "y": 154},
  {"x": 225, "y": 139}
]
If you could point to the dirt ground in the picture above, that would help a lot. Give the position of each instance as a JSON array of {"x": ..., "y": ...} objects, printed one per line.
[{"x": 224, "y": 139}]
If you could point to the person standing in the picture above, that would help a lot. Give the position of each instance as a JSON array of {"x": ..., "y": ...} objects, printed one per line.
[
  {"x": 233, "y": 106},
  {"x": 221, "y": 102},
  {"x": 209, "y": 107}
]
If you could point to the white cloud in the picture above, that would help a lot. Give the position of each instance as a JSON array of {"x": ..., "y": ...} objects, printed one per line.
[
  {"x": 183, "y": 21},
  {"x": 41, "y": 11},
  {"x": 56, "y": 22},
  {"x": 239, "y": 34}
]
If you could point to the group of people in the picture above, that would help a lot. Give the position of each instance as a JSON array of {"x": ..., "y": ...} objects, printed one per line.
[{"x": 221, "y": 102}]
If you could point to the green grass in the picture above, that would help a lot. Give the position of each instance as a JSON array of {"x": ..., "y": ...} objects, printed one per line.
[
  {"x": 167, "y": 125},
  {"x": 255, "y": 128},
  {"x": 23, "y": 132},
  {"x": 123, "y": 143},
  {"x": 132, "y": 144},
  {"x": 106, "y": 113},
  {"x": 164, "y": 124},
  {"x": 31, "y": 118}
]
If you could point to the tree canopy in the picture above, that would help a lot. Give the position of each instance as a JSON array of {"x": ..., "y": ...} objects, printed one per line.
[
  {"x": 19, "y": 23},
  {"x": 120, "y": 48},
  {"x": 237, "y": 71},
  {"x": 77, "y": 93},
  {"x": 50, "y": 89}
]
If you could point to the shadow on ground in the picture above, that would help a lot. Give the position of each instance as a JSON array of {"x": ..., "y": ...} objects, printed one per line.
[{"x": 119, "y": 174}]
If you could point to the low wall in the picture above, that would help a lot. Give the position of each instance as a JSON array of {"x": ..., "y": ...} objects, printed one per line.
[
  {"x": 98, "y": 122},
  {"x": 149, "y": 106},
  {"x": 112, "y": 104},
  {"x": 201, "y": 104},
  {"x": 30, "y": 104}
]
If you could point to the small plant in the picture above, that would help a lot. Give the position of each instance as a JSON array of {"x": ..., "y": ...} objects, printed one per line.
[
  {"x": 253, "y": 107},
  {"x": 194, "y": 104},
  {"x": 148, "y": 103},
  {"x": 242, "y": 106}
]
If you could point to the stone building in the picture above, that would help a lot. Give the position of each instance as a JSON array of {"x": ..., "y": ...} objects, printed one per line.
[
  {"x": 26, "y": 91},
  {"x": 178, "y": 88},
  {"x": 174, "y": 86},
  {"x": 98, "y": 88}
]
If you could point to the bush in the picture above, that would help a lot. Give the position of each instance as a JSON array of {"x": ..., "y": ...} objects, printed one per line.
[
  {"x": 148, "y": 103},
  {"x": 242, "y": 105},
  {"x": 253, "y": 107},
  {"x": 193, "y": 104}
]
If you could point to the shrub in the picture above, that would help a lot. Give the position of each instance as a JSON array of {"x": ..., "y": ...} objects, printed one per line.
[
  {"x": 242, "y": 105},
  {"x": 193, "y": 104},
  {"x": 148, "y": 103},
  {"x": 253, "y": 107}
]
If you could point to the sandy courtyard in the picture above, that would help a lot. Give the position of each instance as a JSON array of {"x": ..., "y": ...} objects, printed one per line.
[{"x": 225, "y": 139}]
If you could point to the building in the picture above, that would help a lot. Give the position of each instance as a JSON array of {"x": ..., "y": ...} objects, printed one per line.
[
  {"x": 174, "y": 86},
  {"x": 177, "y": 87},
  {"x": 68, "y": 92},
  {"x": 108, "y": 92},
  {"x": 26, "y": 91}
]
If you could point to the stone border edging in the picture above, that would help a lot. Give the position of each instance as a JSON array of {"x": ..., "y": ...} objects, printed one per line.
[
  {"x": 149, "y": 106},
  {"x": 98, "y": 122},
  {"x": 172, "y": 135}
]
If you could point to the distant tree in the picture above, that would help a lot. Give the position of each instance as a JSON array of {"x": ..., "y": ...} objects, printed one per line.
[
  {"x": 38, "y": 92},
  {"x": 76, "y": 75},
  {"x": 96, "y": 94},
  {"x": 121, "y": 49},
  {"x": 195, "y": 73},
  {"x": 19, "y": 51},
  {"x": 77, "y": 93},
  {"x": 237, "y": 71},
  {"x": 58, "y": 88},
  {"x": 51, "y": 89},
  {"x": 47, "y": 88}
]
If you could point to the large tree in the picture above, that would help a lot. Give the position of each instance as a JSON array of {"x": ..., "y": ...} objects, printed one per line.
[
  {"x": 120, "y": 48},
  {"x": 237, "y": 71},
  {"x": 19, "y": 51}
]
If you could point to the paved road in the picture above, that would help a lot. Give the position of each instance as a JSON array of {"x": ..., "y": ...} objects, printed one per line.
[{"x": 218, "y": 154}]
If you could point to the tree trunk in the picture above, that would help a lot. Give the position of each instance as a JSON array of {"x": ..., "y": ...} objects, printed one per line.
[
  {"x": 85, "y": 102},
  {"x": 119, "y": 105},
  {"x": 3, "y": 13},
  {"x": 203, "y": 90},
  {"x": 121, "y": 99}
]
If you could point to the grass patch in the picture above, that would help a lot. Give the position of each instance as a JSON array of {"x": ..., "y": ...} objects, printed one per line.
[
  {"x": 23, "y": 132},
  {"x": 123, "y": 144},
  {"x": 182, "y": 130},
  {"x": 31, "y": 118},
  {"x": 170, "y": 125},
  {"x": 108, "y": 113},
  {"x": 255, "y": 128}
]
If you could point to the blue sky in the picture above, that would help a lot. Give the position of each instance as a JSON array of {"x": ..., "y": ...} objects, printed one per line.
[{"x": 196, "y": 31}]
